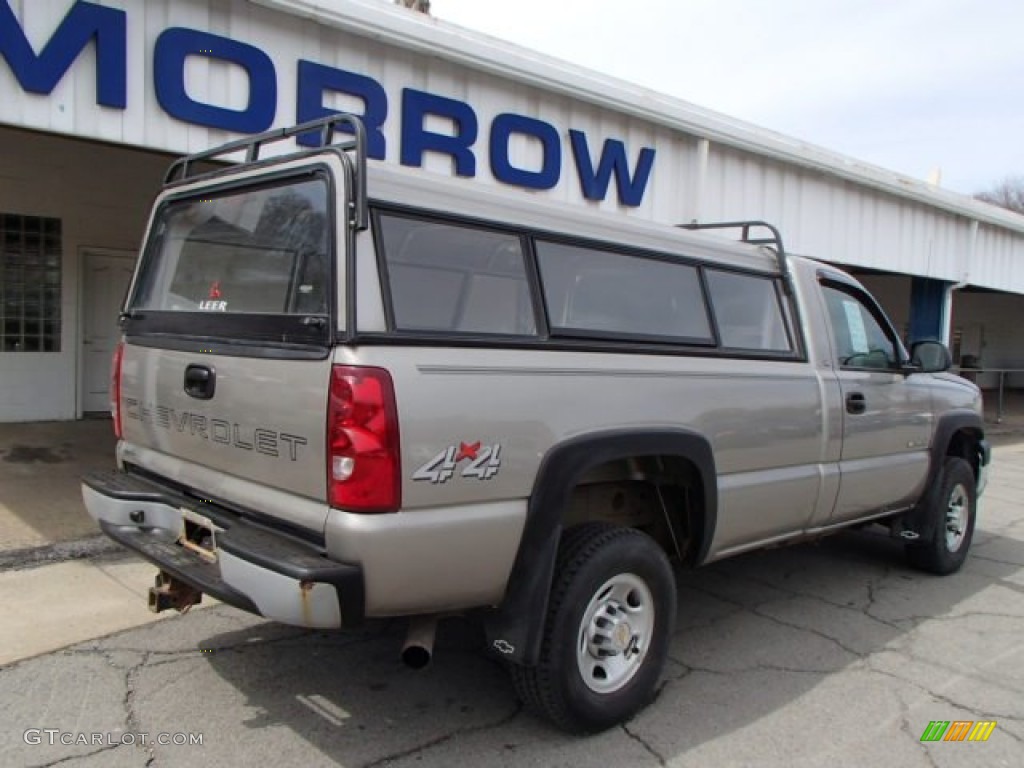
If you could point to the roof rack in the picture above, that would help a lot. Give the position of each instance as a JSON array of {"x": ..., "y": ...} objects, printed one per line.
[
  {"x": 182, "y": 169},
  {"x": 773, "y": 241}
]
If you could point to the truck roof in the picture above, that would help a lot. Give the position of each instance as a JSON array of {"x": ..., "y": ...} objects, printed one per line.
[{"x": 425, "y": 190}]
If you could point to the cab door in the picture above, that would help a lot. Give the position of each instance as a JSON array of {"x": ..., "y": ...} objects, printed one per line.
[{"x": 886, "y": 414}]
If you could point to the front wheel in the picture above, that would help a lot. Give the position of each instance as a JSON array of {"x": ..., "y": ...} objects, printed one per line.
[
  {"x": 608, "y": 628},
  {"x": 951, "y": 511}
]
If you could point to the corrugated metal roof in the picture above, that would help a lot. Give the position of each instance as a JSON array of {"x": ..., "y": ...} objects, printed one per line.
[
  {"x": 484, "y": 53},
  {"x": 709, "y": 166}
]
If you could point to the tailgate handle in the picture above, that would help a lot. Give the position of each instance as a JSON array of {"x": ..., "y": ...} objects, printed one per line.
[{"x": 200, "y": 381}]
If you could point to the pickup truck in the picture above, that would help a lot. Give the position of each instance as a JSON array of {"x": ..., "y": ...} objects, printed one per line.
[{"x": 347, "y": 392}]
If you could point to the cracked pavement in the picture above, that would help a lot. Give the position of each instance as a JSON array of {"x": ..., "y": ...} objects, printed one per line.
[{"x": 828, "y": 653}]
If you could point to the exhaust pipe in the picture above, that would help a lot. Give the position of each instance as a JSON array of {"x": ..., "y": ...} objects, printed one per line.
[
  {"x": 168, "y": 592},
  {"x": 419, "y": 641}
]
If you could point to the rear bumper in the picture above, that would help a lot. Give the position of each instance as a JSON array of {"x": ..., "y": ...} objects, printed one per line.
[{"x": 257, "y": 569}]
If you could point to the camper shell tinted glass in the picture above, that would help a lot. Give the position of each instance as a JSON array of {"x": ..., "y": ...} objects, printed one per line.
[
  {"x": 455, "y": 278},
  {"x": 476, "y": 282},
  {"x": 595, "y": 291},
  {"x": 749, "y": 311},
  {"x": 251, "y": 250},
  {"x": 250, "y": 263}
]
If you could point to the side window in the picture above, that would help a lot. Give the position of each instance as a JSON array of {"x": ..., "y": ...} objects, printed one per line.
[
  {"x": 598, "y": 292},
  {"x": 861, "y": 341},
  {"x": 748, "y": 311},
  {"x": 455, "y": 278}
]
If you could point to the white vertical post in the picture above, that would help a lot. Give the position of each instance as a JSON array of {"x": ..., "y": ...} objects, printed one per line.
[{"x": 947, "y": 307}]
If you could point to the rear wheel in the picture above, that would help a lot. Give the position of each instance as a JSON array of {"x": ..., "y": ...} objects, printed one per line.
[
  {"x": 951, "y": 512},
  {"x": 608, "y": 627}
]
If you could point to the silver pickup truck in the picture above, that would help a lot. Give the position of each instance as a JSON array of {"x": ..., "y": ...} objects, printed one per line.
[{"x": 347, "y": 392}]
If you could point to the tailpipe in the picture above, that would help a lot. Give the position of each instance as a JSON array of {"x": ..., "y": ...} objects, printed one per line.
[
  {"x": 419, "y": 641},
  {"x": 169, "y": 592}
]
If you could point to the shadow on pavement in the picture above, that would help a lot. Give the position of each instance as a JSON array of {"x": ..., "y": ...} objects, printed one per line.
[{"x": 755, "y": 634}]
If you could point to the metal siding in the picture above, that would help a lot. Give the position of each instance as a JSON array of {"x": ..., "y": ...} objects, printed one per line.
[{"x": 827, "y": 206}]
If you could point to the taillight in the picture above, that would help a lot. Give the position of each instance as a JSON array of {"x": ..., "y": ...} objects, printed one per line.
[
  {"x": 363, "y": 464},
  {"x": 115, "y": 388}
]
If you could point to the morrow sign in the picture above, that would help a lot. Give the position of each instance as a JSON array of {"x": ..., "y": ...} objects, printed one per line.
[{"x": 87, "y": 23}]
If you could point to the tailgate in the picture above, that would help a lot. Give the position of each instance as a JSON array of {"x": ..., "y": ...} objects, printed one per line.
[
  {"x": 229, "y": 325},
  {"x": 253, "y": 419}
]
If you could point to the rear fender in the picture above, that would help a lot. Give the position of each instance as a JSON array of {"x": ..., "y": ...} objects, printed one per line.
[{"x": 515, "y": 628}]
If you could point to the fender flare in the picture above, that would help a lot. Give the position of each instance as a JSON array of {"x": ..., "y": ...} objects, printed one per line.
[
  {"x": 918, "y": 519},
  {"x": 515, "y": 628}
]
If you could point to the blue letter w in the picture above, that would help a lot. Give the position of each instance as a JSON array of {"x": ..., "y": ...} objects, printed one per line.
[{"x": 613, "y": 160}]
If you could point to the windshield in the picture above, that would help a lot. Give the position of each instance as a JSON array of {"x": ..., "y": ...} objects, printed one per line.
[{"x": 259, "y": 250}]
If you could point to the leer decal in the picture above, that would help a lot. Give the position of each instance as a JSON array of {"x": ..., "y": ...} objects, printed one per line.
[{"x": 213, "y": 302}]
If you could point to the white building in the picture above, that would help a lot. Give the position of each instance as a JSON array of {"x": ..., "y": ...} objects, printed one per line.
[{"x": 98, "y": 96}]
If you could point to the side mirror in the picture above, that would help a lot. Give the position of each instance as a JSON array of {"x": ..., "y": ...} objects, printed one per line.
[{"x": 930, "y": 357}]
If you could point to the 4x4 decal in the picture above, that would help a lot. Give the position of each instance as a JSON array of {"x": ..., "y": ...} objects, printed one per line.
[{"x": 484, "y": 463}]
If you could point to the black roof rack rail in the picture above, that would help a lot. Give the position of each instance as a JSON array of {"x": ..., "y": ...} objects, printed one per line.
[
  {"x": 182, "y": 169},
  {"x": 773, "y": 241}
]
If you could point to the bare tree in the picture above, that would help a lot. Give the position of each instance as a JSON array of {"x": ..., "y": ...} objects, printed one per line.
[
  {"x": 1008, "y": 193},
  {"x": 423, "y": 6}
]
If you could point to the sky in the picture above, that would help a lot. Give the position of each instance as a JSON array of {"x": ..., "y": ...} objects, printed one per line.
[{"x": 914, "y": 86}]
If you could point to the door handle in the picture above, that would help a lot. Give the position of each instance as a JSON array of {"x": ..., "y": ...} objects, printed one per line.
[
  {"x": 856, "y": 403},
  {"x": 200, "y": 381}
]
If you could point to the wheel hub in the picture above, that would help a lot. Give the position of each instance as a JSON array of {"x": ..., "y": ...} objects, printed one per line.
[
  {"x": 616, "y": 628},
  {"x": 610, "y": 632},
  {"x": 956, "y": 518}
]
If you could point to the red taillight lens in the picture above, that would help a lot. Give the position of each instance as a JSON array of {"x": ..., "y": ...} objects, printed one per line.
[
  {"x": 115, "y": 388},
  {"x": 363, "y": 463}
]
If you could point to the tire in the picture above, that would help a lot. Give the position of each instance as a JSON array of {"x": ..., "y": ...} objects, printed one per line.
[
  {"x": 613, "y": 591},
  {"x": 951, "y": 511}
]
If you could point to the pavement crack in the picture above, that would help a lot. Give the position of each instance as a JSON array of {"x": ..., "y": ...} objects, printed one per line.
[
  {"x": 791, "y": 670},
  {"x": 162, "y": 656},
  {"x": 82, "y": 756},
  {"x": 811, "y": 630},
  {"x": 704, "y": 590},
  {"x": 437, "y": 741},
  {"x": 964, "y": 615},
  {"x": 1011, "y": 734},
  {"x": 921, "y": 746},
  {"x": 909, "y": 730},
  {"x": 679, "y": 674},
  {"x": 978, "y": 714},
  {"x": 689, "y": 667},
  {"x": 871, "y": 586},
  {"x": 131, "y": 719},
  {"x": 788, "y": 589},
  {"x": 977, "y": 556},
  {"x": 643, "y": 743}
]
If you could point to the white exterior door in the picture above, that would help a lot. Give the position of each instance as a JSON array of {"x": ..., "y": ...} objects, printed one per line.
[{"x": 105, "y": 282}]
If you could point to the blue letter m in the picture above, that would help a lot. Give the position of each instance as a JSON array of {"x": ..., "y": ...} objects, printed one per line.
[{"x": 41, "y": 73}]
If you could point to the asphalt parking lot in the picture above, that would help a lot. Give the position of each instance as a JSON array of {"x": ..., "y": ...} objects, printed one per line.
[{"x": 833, "y": 653}]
